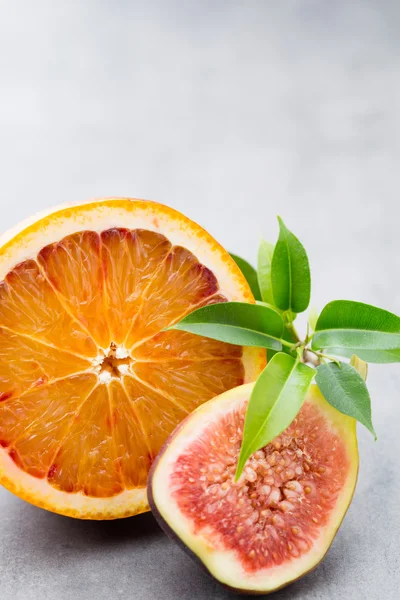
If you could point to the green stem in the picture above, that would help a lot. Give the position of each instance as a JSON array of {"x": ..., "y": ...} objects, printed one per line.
[
  {"x": 287, "y": 317},
  {"x": 293, "y": 331},
  {"x": 287, "y": 344},
  {"x": 324, "y": 357}
]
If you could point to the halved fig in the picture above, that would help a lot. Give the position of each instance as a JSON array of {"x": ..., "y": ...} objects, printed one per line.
[{"x": 277, "y": 522}]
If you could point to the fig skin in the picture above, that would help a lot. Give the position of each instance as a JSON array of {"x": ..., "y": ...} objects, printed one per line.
[{"x": 162, "y": 519}]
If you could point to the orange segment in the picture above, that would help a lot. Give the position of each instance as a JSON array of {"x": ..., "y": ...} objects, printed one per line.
[
  {"x": 87, "y": 459},
  {"x": 179, "y": 284},
  {"x": 152, "y": 407},
  {"x": 90, "y": 384},
  {"x": 183, "y": 345},
  {"x": 74, "y": 268},
  {"x": 33, "y": 426},
  {"x": 27, "y": 363},
  {"x": 191, "y": 383},
  {"x": 29, "y": 306},
  {"x": 133, "y": 452},
  {"x": 130, "y": 258}
]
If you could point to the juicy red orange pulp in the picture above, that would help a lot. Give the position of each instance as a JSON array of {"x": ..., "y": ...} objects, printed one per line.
[
  {"x": 283, "y": 499},
  {"x": 90, "y": 385}
]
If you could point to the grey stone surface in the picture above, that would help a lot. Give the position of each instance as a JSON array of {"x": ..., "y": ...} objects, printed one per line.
[{"x": 231, "y": 112}]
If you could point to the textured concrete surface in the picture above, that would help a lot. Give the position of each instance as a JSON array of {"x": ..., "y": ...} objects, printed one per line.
[{"x": 232, "y": 112}]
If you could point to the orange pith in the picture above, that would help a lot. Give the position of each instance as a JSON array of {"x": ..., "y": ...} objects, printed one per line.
[{"x": 90, "y": 385}]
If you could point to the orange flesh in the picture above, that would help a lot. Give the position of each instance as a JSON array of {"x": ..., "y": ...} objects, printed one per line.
[
  {"x": 283, "y": 499},
  {"x": 90, "y": 387}
]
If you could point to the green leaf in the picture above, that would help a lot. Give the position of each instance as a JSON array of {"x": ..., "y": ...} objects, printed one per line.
[
  {"x": 290, "y": 273},
  {"x": 360, "y": 365},
  {"x": 345, "y": 390},
  {"x": 276, "y": 399},
  {"x": 373, "y": 356},
  {"x": 345, "y": 328},
  {"x": 265, "y": 253},
  {"x": 250, "y": 274},
  {"x": 236, "y": 323}
]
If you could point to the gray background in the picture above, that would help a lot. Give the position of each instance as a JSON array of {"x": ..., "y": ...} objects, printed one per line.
[{"x": 231, "y": 112}]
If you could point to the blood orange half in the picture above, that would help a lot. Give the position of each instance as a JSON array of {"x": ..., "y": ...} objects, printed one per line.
[{"x": 90, "y": 384}]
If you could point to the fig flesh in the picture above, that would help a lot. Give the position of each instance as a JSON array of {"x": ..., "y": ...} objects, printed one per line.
[{"x": 279, "y": 519}]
